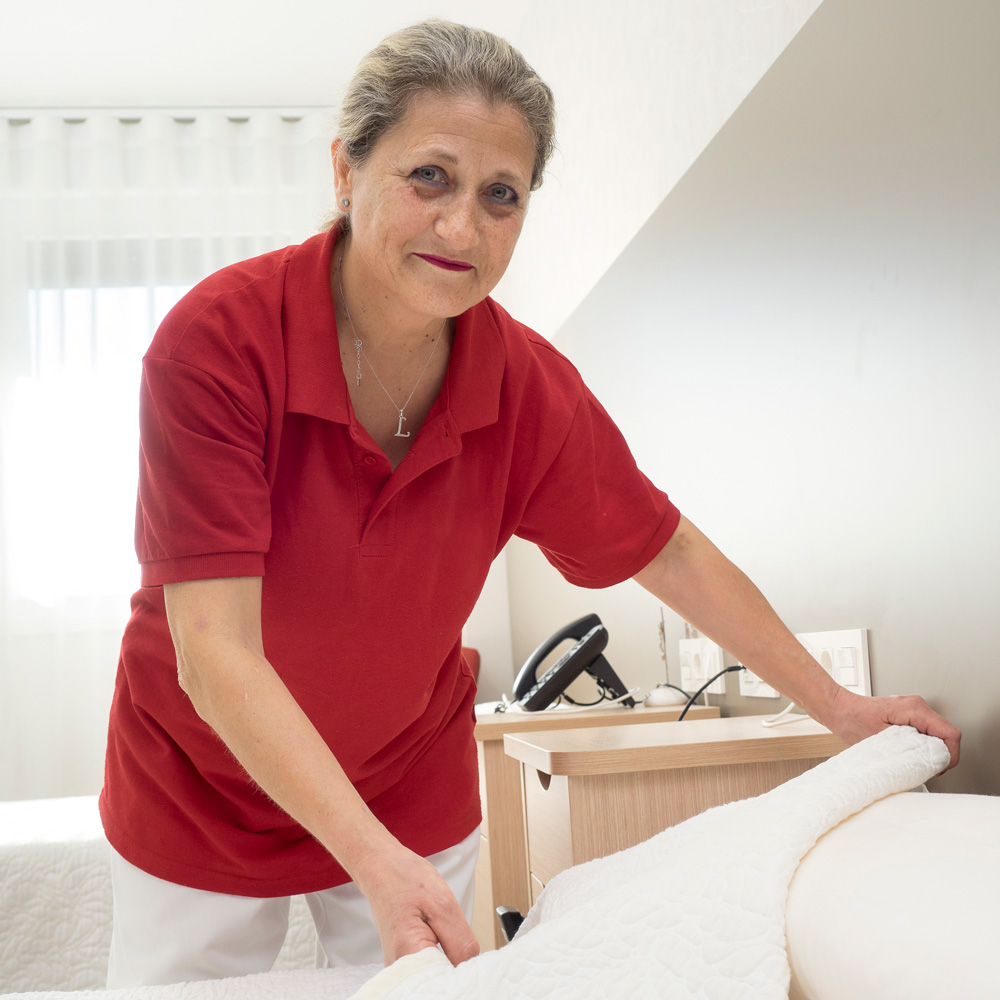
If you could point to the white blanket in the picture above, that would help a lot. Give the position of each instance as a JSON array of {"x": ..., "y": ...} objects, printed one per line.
[{"x": 697, "y": 911}]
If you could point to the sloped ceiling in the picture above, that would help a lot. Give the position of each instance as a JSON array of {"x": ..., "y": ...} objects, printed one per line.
[{"x": 642, "y": 88}]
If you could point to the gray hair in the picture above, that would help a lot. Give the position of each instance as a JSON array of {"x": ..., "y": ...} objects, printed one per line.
[{"x": 446, "y": 58}]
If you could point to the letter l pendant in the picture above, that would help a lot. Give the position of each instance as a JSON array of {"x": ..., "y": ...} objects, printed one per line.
[{"x": 400, "y": 433}]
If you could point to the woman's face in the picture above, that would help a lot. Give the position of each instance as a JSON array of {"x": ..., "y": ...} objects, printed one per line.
[{"x": 438, "y": 206}]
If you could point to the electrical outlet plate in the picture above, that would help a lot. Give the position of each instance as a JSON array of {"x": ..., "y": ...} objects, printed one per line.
[
  {"x": 751, "y": 686},
  {"x": 843, "y": 655},
  {"x": 700, "y": 659}
]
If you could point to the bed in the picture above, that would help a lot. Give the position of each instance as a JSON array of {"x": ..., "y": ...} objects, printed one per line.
[{"x": 838, "y": 885}]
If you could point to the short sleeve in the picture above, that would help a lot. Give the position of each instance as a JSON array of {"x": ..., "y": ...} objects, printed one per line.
[
  {"x": 204, "y": 503},
  {"x": 594, "y": 515}
]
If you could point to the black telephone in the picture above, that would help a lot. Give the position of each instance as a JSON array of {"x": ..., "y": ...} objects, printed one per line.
[{"x": 585, "y": 655}]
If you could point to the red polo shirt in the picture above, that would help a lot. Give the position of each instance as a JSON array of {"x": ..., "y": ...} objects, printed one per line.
[{"x": 253, "y": 464}]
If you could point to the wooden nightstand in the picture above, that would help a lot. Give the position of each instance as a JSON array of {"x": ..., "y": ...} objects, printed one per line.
[
  {"x": 502, "y": 877},
  {"x": 589, "y": 793}
]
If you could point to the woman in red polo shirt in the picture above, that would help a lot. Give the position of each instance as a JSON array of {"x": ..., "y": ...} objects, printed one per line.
[{"x": 337, "y": 440}]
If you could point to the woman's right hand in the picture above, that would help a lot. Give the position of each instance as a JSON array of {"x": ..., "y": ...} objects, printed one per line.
[{"x": 412, "y": 906}]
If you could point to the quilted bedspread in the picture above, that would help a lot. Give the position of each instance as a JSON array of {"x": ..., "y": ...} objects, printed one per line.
[
  {"x": 695, "y": 912},
  {"x": 55, "y": 894},
  {"x": 55, "y": 899}
]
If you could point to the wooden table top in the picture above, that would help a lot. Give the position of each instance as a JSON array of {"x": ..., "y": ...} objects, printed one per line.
[
  {"x": 662, "y": 745},
  {"x": 493, "y": 725}
]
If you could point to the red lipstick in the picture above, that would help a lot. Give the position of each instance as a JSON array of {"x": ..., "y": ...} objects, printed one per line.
[{"x": 444, "y": 262}]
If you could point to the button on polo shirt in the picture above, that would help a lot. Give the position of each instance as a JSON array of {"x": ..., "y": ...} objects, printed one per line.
[{"x": 254, "y": 464}]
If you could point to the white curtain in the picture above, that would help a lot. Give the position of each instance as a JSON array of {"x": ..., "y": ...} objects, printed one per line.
[{"x": 105, "y": 221}]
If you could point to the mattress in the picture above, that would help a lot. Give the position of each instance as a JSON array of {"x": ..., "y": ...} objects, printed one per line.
[{"x": 900, "y": 902}]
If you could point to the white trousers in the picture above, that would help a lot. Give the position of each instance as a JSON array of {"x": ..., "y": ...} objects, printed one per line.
[{"x": 165, "y": 933}]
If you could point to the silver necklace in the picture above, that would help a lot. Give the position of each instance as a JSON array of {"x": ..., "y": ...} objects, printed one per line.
[{"x": 358, "y": 350}]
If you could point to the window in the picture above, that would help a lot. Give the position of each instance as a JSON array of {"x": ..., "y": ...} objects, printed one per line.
[
  {"x": 107, "y": 220},
  {"x": 71, "y": 442}
]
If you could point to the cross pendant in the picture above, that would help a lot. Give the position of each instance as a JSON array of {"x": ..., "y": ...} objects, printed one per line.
[{"x": 400, "y": 433}]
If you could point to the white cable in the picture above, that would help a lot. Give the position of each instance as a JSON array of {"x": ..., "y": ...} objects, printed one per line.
[
  {"x": 782, "y": 718},
  {"x": 513, "y": 706}
]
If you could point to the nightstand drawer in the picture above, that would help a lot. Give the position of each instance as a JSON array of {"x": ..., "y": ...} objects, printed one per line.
[{"x": 549, "y": 824}]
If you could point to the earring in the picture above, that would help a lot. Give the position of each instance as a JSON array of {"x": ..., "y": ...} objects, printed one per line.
[{"x": 346, "y": 202}]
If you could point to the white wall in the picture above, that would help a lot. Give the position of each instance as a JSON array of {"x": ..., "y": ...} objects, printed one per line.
[{"x": 803, "y": 347}]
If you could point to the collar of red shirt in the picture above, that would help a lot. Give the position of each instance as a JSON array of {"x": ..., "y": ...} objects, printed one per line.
[{"x": 315, "y": 380}]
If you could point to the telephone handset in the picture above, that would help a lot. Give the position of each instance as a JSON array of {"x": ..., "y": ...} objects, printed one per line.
[{"x": 585, "y": 655}]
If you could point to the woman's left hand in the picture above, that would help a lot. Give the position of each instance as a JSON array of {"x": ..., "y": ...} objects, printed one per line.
[{"x": 854, "y": 717}]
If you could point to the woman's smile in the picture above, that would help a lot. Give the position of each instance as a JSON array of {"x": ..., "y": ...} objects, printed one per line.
[
  {"x": 455, "y": 175},
  {"x": 444, "y": 262}
]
